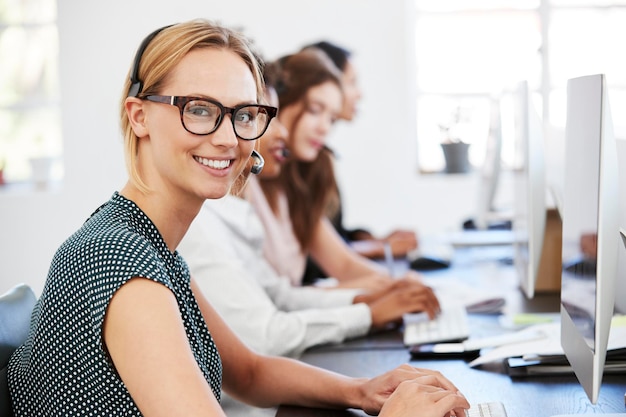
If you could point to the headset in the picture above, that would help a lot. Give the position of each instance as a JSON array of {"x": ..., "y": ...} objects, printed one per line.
[
  {"x": 136, "y": 86},
  {"x": 259, "y": 162}
]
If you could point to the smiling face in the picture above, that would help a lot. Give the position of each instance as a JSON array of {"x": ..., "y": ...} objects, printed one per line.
[
  {"x": 192, "y": 166},
  {"x": 273, "y": 143},
  {"x": 310, "y": 120}
]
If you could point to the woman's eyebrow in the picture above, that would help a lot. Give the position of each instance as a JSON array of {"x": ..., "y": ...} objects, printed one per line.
[{"x": 207, "y": 97}]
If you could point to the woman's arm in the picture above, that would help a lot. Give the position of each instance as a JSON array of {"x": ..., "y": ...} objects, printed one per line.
[
  {"x": 258, "y": 322},
  {"x": 266, "y": 381},
  {"x": 339, "y": 260},
  {"x": 145, "y": 337},
  {"x": 401, "y": 242}
]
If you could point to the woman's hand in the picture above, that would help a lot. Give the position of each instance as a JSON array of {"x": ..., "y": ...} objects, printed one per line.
[
  {"x": 407, "y": 391},
  {"x": 401, "y": 242},
  {"x": 402, "y": 296},
  {"x": 412, "y": 399}
]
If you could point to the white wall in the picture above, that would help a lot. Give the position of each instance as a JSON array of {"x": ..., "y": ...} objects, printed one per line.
[{"x": 378, "y": 162}]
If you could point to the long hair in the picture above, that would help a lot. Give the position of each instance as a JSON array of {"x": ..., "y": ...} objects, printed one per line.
[
  {"x": 310, "y": 187},
  {"x": 159, "y": 58}
]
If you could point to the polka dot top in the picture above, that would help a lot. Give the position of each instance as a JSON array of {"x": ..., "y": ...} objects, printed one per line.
[{"x": 63, "y": 368}]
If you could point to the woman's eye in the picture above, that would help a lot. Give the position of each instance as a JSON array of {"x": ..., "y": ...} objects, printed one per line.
[
  {"x": 198, "y": 111},
  {"x": 203, "y": 110},
  {"x": 244, "y": 116},
  {"x": 314, "y": 109}
]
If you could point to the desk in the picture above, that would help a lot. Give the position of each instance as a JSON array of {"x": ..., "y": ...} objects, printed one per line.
[{"x": 527, "y": 397}]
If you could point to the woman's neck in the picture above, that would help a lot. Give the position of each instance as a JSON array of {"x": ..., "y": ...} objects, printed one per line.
[{"x": 170, "y": 215}]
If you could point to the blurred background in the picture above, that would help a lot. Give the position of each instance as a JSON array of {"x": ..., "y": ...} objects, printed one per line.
[{"x": 431, "y": 71}]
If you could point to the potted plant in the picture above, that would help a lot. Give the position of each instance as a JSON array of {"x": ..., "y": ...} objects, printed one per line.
[
  {"x": 455, "y": 151},
  {"x": 41, "y": 164}
]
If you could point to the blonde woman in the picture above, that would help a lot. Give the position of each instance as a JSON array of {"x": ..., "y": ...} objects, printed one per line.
[{"x": 121, "y": 328}]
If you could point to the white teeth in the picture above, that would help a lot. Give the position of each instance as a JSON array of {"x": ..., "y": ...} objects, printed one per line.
[{"x": 211, "y": 163}]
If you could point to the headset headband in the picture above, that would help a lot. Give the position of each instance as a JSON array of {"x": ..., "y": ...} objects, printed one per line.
[{"x": 136, "y": 85}]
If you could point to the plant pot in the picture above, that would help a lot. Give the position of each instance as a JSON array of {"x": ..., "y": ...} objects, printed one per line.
[
  {"x": 456, "y": 156},
  {"x": 41, "y": 170}
]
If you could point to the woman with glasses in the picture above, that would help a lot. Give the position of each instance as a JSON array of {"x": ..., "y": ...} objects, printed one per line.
[{"x": 121, "y": 329}]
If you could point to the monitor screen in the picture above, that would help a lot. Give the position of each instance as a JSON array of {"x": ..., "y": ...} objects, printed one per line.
[
  {"x": 590, "y": 230},
  {"x": 529, "y": 218}
]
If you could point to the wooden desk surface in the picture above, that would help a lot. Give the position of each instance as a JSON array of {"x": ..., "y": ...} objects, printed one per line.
[{"x": 543, "y": 396}]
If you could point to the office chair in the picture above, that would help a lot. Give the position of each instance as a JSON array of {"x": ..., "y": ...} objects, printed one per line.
[{"x": 16, "y": 306}]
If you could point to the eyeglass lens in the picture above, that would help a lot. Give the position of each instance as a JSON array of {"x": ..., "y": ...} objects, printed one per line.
[{"x": 203, "y": 117}]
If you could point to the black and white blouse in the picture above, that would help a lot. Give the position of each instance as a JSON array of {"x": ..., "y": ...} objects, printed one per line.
[{"x": 63, "y": 368}]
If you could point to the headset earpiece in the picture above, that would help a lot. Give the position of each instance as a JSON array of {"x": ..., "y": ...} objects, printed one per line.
[{"x": 259, "y": 162}]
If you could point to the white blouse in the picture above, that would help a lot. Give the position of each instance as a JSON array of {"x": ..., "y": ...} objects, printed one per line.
[{"x": 223, "y": 248}]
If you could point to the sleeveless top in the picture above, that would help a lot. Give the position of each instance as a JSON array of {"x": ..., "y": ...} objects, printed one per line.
[
  {"x": 63, "y": 368},
  {"x": 280, "y": 247}
]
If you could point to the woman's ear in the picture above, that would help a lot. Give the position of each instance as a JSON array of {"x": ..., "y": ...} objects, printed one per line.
[{"x": 136, "y": 116}]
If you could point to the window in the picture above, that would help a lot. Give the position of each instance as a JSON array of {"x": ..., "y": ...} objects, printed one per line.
[
  {"x": 30, "y": 119},
  {"x": 470, "y": 53}
]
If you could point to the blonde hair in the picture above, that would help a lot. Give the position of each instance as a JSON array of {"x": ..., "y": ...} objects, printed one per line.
[{"x": 160, "y": 57}]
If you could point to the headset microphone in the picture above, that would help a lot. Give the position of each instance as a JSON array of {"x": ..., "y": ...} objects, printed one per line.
[{"x": 259, "y": 162}]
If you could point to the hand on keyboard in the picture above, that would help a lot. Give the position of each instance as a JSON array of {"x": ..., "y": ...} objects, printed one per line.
[
  {"x": 427, "y": 400},
  {"x": 402, "y": 295}
]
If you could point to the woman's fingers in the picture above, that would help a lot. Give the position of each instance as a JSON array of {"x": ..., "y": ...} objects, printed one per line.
[{"x": 413, "y": 398}]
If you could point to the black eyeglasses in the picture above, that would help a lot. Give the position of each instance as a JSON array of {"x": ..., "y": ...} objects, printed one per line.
[{"x": 202, "y": 116}]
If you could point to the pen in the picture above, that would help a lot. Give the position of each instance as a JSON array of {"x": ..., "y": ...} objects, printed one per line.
[{"x": 389, "y": 259}]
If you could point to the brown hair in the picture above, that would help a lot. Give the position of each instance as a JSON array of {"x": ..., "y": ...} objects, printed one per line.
[
  {"x": 162, "y": 54},
  {"x": 310, "y": 187}
]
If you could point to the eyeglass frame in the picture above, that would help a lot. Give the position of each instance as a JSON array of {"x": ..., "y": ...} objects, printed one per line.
[{"x": 182, "y": 101}]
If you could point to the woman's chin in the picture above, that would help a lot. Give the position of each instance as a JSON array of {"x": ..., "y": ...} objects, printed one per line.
[
  {"x": 215, "y": 193},
  {"x": 309, "y": 156}
]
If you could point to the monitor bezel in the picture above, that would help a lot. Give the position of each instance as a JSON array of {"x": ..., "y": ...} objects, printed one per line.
[
  {"x": 588, "y": 363},
  {"x": 533, "y": 207}
]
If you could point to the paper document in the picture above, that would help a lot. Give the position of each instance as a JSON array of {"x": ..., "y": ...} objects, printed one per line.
[
  {"x": 482, "y": 238},
  {"x": 550, "y": 344},
  {"x": 452, "y": 291}
]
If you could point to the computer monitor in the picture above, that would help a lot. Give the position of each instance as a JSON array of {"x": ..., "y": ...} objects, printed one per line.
[
  {"x": 529, "y": 212},
  {"x": 490, "y": 172},
  {"x": 590, "y": 230},
  {"x": 620, "y": 290}
]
